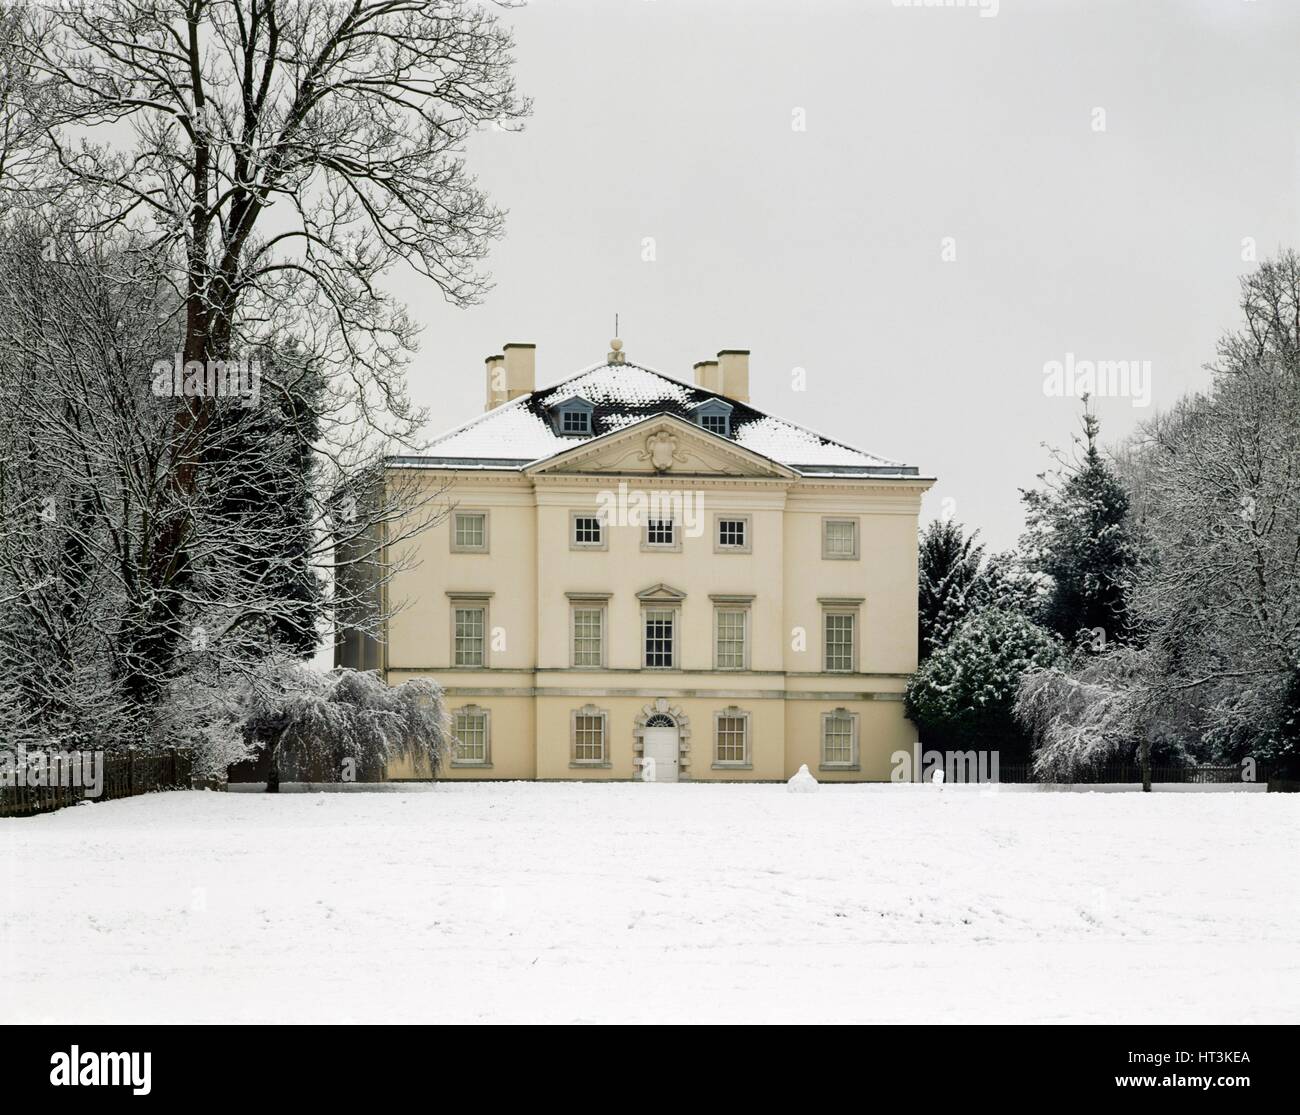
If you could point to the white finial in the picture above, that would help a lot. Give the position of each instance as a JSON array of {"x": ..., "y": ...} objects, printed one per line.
[{"x": 616, "y": 351}]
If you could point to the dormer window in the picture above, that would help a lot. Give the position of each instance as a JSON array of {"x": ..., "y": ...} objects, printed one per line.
[
  {"x": 575, "y": 422},
  {"x": 573, "y": 417},
  {"x": 714, "y": 416}
]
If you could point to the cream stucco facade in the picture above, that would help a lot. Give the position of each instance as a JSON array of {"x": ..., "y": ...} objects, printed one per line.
[{"x": 764, "y": 619}]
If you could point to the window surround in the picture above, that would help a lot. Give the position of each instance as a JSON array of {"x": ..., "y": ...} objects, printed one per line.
[
  {"x": 462, "y": 548},
  {"x": 854, "y": 761},
  {"x": 469, "y": 599},
  {"x": 673, "y": 547},
  {"x": 719, "y": 547},
  {"x": 474, "y": 764},
  {"x": 732, "y": 712},
  {"x": 857, "y": 533},
  {"x": 661, "y": 598},
  {"x": 574, "y": 544},
  {"x": 842, "y": 606},
  {"x": 588, "y": 601},
  {"x": 603, "y": 762},
  {"x": 734, "y": 602},
  {"x": 673, "y": 617}
]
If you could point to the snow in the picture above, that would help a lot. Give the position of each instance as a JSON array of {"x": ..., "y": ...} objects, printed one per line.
[
  {"x": 645, "y": 902},
  {"x": 513, "y": 435},
  {"x": 802, "y": 781},
  {"x": 510, "y": 431},
  {"x": 793, "y": 445},
  {"x": 616, "y": 384}
]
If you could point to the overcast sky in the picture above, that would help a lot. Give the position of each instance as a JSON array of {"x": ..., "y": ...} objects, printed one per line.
[{"x": 823, "y": 248}]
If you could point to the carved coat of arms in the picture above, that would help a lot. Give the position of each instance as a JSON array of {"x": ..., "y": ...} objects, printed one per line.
[{"x": 661, "y": 451}]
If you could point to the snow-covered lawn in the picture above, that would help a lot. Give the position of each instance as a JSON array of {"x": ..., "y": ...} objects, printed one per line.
[{"x": 626, "y": 902}]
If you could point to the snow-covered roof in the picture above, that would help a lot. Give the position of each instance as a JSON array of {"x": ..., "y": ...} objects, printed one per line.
[{"x": 520, "y": 433}]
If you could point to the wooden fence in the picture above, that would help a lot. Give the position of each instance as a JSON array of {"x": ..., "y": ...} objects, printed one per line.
[{"x": 126, "y": 774}]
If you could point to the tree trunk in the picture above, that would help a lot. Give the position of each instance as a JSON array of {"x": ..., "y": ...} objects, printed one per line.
[
  {"x": 273, "y": 770},
  {"x": 1145, "y": 752}
]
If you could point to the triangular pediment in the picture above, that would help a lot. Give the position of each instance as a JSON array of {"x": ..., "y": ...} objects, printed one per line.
[
  {"x": 661, "y": 594},
  {"x": 662, "y": 445}
]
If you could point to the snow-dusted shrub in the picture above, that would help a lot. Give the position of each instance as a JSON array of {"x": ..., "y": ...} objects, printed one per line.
[
  {"x": 1082, "y": 713},
  {"x": 205, "y": 712},
  {"x": 344, "y": 720},
  {"x": 964, "y": 691},
  {"x": 45, "y": 701},
  {"x": 1260, "y": 721}
]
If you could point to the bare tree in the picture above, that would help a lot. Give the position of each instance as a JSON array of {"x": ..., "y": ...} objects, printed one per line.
[
  {"x": 1079, "y": 717},
  {"x": 1216, "y": 600},
  {"x": 85, "y": 450},
  {"x": 1222, "y": 600},
  {"x": 347, "y": 118},
  {"x": 273, "y": 159},
  {"x": 23, "y": 107}
]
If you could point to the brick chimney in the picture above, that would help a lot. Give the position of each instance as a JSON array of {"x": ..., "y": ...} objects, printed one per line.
[{"x": 512, "y": 374}]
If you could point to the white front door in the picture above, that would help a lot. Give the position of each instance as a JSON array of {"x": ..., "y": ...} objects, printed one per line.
[{"x": 659, "y": 754}]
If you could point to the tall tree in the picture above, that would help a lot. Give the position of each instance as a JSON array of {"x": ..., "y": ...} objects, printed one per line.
[
  {"x": 955, "y": 580},
  {"x": 85, "y": 447},
  {"x": 1079, "y": 535},
  {"x": 280, "y": 156},
  {"x": 23, "y": 107},
  {"x": 1216, "y": 597},
  {"x": 270, "y": 477},
  {"x": 948, "y": 568}
]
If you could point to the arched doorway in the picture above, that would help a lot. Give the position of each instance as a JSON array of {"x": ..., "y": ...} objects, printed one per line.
[
  {"x": 655, "y": 725},
  {"x": 660, "y": 749}
]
